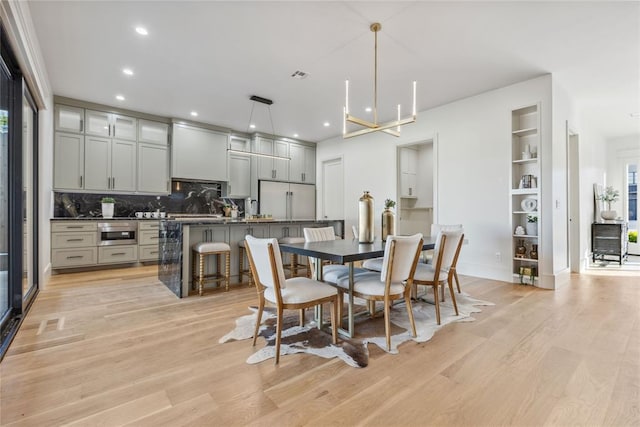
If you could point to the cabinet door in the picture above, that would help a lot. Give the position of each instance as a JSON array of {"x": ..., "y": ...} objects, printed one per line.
[
  {"x": 68, "y": 163},
  {"x": 124, "y": 127},
  {"x": 408, "y": 182},
  {"x": 297, "y": 163},
  {"x": 153, "y": 132},
  {"x": 239, "y": 175},
  {"x": 98, "y": 123},
  {"x": 265, "y": 164},
  {"x": 123, "y": 165},
  {"x": 69, "y": 119},
  {"x": 281, "y": 167},
  {"x": 153, "y": 169},
  {"x": 309, "y": 165},
  {"x": 408, "y": 160},
  {"x": 97, "y": 163},
  {"x": 199, "y": 154}
]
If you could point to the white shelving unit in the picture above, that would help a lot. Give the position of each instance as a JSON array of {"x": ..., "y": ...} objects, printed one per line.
[{"x": 525, "y": 184}]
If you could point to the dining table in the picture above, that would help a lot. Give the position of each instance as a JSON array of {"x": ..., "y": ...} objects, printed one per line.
[{"x": 344, "y": 252}]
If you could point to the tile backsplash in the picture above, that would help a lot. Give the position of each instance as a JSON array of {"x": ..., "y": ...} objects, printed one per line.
[{"x": 186, "y": 197}]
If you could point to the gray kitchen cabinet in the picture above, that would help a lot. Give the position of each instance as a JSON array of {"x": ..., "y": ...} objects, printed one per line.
[
  {"x": 148, "y": 238},
  {"x": 153, "y": 132},
  {"x": 100, "y": 123},
  {"x": 110, "y": 164},
  {"x": 270, "y": 168},
  {"x": 153, "y": 169},
  {"x": 408, "y": 172},
  {"x": 239, "y": 169},
  {"x": 68, "y": 164},
  {"x": 68, "y": 119},
  {"x": 303, "y": 163},
  {"x": 199, "y": 153}
]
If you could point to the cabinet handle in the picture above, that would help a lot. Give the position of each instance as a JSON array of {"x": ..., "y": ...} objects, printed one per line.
[
  {"x": 118, "y": 253},
  {"x": 73, "y": 226},
  {"x": 75, "y": 257},
  {"x": 113, "y": 182},
  {"x": 153, "y": 252},
  {"x": 167, "y": 185},
  {"x": 75, "y": 240},
  {"x": 80, "y": 181},
  {"x": 81, "y": 125},
  {"x": 114, "y": 131}
]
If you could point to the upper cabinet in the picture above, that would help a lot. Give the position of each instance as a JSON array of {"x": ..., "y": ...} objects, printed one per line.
[
  {"x": 239, "y": 169},
  {"x": 272, "y": 168},
  {"x": 109, "y": 125},
  {"x": 68, "y": 119},
  {"x": 199, "y": 153},
  {"x": 100, "y": 151},
  {"x": 303, "y": 163}
]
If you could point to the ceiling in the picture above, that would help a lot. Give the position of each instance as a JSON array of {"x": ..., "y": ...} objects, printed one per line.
[{"x": 211, "y": 56}]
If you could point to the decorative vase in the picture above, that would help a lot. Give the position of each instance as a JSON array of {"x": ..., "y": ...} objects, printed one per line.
[
  {"x": 107, "y": 210},
  {"x": 533, "y": 253},
  {"x": 532, "y": 228},
  {"x": 388, "y": 223},
  {"x": 365, "y": 218},
  {"x": 521, "y": 250},
  {"x": 609, "y": 215}
]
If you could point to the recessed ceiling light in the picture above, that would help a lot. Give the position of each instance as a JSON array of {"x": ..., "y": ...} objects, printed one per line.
[
  {"x": 128, "y": 71},
  {"x": 295, "y": 135},
  {"x": 326, "y": 124},
  {"x": 194, "y": 113},
  {"x": 252, "y": 126},
  {"x": 142, "y": 31},
  {"x": 368, "y": 109},
  {"x": 299, "y": 74},
  {"x": 120, "y": 97}
]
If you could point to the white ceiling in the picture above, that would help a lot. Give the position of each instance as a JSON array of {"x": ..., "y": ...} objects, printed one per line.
[{"x": 211, "y": 56}]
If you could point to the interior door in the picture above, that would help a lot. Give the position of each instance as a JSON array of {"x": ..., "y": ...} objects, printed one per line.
[{"x": 332, "y": 189}]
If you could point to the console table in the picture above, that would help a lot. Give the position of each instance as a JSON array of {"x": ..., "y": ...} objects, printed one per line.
[{"x": 609, "y": 239}]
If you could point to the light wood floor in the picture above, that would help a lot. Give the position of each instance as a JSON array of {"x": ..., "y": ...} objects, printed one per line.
[{"x": 116, "y": 348}]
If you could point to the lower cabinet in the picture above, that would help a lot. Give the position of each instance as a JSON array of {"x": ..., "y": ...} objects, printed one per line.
[
  {"x": 117, "y": 254},
  {"x": 148, "y": 239},
  {"x": 73, "y": 244}
]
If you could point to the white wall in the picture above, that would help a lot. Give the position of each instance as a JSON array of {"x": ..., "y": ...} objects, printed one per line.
[{"x": 472, "y": 158}]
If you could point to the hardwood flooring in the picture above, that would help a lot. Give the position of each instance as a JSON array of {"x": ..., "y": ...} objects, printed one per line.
[{"x": 117, "y": 348}]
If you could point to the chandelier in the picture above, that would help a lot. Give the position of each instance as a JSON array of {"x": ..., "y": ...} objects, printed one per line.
[{"x": 374, "y": 126}]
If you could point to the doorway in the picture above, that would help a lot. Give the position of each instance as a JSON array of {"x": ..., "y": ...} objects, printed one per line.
[
  {"x": 332, "y": 191},
  {"x": 631, "y": 204},
  {"x": 415, "y": 188},
  {"x": 573, "y": 200}
]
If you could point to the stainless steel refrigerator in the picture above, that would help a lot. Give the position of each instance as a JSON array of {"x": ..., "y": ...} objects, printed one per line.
[{"x": 287, "y": 201}]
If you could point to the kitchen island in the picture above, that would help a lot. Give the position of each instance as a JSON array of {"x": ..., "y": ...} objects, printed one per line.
[{"x": 178, "y": 235}]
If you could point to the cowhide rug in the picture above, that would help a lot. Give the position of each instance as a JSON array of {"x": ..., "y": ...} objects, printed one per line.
[{"x": 354, "y": 352}]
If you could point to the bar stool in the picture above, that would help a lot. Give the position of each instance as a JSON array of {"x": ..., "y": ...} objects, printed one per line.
[
  {"x": 242, "y": 271},
  {"x": 204, "y": 249},
  {"x": 294, "y": 266}
]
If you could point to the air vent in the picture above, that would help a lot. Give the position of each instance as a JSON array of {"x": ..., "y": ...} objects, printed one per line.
[{"x": 299, "y": 75}]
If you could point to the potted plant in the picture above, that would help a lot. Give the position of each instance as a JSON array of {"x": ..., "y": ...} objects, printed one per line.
[
  {"x": 108, "y": 204},
  {"x": 532, "y": 225},
  {"x": 388, "y": 219},
  {"x": 609, "y": 196}
]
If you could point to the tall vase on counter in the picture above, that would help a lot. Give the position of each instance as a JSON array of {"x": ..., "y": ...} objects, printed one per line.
[
  {"x": 388, "y": 220},
  {"x": 365, "y": 218}
]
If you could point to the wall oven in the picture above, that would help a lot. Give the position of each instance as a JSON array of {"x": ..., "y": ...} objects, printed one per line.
[{"x": 117, "y": 233}]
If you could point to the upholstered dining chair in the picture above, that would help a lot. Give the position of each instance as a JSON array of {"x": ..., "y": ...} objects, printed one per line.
[
  {"x": 437, "y": 274},
  {"x": 395, "y": 281},
  {"x": 435, "y": 229},
  {"x": 296, "y": 293},
  {"x": 331, "y": 272}
]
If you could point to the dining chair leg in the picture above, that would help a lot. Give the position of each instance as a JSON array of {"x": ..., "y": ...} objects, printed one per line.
[
  {"x": 302, "y": 317},
  {"x": 455, "y": 275},
  {"x": 453, "y": 296},
  {"x": 340, "y": 307},
  {"x": 437, "y": 301},
  {"x": 407, "y": 301},
  {"x": 372, "y": 308},
  {"x": 387, "y": 322},
  {"x": 278, "y": 334},
  {"x": 258, "y": 320},
  {"x": 334, "y": 320}
]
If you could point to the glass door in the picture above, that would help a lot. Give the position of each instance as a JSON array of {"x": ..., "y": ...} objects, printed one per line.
[
  {"x": 29, "y": 199},
  {"x": 5, "y": 306},
  {"x": 631, "y": 202}
]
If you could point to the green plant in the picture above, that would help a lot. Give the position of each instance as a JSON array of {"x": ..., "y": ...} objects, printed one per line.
[
  {"x": 108, "y": 200},
  {"x": 388, "y": 204},
  {"x": 609, "y": 196},
  {"x": 633, "y": 236},
  {"x": 532, "y": 218}
]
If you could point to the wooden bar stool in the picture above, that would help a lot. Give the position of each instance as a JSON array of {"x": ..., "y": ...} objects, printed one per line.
[
  {"x": 242, "y": 270},
  {"x": 199, "y": 252},
  {"x": 294, "y": 266}
]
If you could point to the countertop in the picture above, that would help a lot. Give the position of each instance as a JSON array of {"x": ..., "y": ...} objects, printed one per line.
[{"x": 199, "y": 220}]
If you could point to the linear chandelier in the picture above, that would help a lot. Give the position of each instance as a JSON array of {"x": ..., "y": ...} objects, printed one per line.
[
  {"x": 374, "y": 126},
  {"x": 268, "y": 103}
]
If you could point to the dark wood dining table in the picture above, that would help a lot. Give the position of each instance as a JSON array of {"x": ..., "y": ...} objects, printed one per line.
[{"x": 344, "y": 252}]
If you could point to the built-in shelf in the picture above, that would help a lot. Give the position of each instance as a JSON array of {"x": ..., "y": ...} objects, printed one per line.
[
  {"x": 525, "y": 132},
  {"x": 525, "y": 161},
  {"x": 532, "y": 213},
  {"x": 516, "y": 191},
  {"x": 416, "y": 209},
  {"x": 408, "y": 197},
  {"x": 525, "y": 259},
  {"x": 525, "y": 236}
]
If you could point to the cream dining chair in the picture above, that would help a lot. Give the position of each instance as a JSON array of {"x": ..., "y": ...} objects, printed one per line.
[
  {"x": 395, "y": 281},
  {"x": 438, "y": 274},
  {"x": 296, "y": 293},
  {"x": 331, "y": 272}
]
